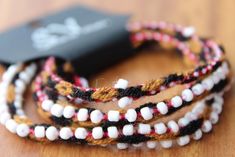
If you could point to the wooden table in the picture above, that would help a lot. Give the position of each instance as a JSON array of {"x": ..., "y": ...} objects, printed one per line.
[{"x": 210, "y": 17}]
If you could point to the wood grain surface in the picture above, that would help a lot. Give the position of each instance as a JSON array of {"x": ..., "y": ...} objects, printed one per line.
[{"x": 211, "y": 18}]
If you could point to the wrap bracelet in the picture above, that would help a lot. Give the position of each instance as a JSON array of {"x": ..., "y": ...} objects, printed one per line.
[
  {"x": 59, "y": 94},
  {"x": 87, "y": 116}
]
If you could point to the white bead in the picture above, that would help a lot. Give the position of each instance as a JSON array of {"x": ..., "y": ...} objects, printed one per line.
[
  {"x": 18, "y": 104},
  {"x": 166, "y": 143},
  {"x": 184, "y": 140},
  {"x": 121, "y": 83},
  {"x": 197, "y": 135},
  {"x": 128, "y": 130},
  {"x": 160, "y": 128},
  {"x": 84, "y": 82},
  {"x": 19, "y": 83},
  {"x": 217, "y": 108},
  {"x": 39, "y": 131},
  {"x": 190, "y": 116},
  {"x": 199, "y": 107},
  {"x": 103, "y": 145},
  {"x": 225, "y": 68},
  {"x": 11, "y": 125},
  {"x": 221, "y": 73},
  {"x": 57, "y": 110},
  {"x": 81, "y": 133},
  {"x": 151, "y": 144},
  {"x": 19, "y": 90},
  {"x": 219, "y": 100},
  {"x": 123, "y": 102},
  {"x": 112, "y": 132},
  {"x": 162, "y": 108},
  {"x": 188, "y": 31},
  {"x": 138, "y": 145},
  {"x": 6, "y": 77},
  {"x": 173, "y": 126},
  {"x": 146, "y": 113},
  {"x": 65, "y": 133},
  {"x": 198, "y": 89},
  {"x": 52, "y": 133},
  {"x": 176, "y": 101},
  {"x": 187, "y": 95},
  {"x": 113, "y": 116},
  {"x": 22, "y": 130},
  {"x": 31, "y": 70},
  {"x": 122, "y": 145},
  {"x": 214, "y": 118},
  {"x": 207, "y": 126},
  {"x": 78, "y": 100},
  {"x": 215, "y": 78},
  {"x": 19, "y": 98},
  {"x": 144, "y": 129},
  {"x": 82, "y": 114},
  {"x": 4, "y": 117},
  {"x": 208, "y": 83},
  {"x": 3, "y": 88},
  {"x": 3, "y": 94},
  {"x": 183, "y": 122},
  {"x": 24, "y": 76},
  {"x": 3, "y": 108},
  {"x": 47, "y": 104},
  {"x": 20, "y": 112},
  {"x": 131, "y": 115},
  {"x": 10, "y": 72},
  {"x": 96, "y": 116},
  {"x": 68, "y": 112},
  {"x": 97, "y": 132}
]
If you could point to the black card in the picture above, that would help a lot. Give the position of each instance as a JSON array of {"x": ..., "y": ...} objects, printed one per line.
[{"x": 91, "y": 39}]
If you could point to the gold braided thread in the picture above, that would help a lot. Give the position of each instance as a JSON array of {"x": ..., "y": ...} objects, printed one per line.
[
  {"x": 64, "y": 88},
  {"x": 195, "y": 46},
  {"x": 103, "y": 93},
  {"x": 44, "y": 75},
  {"x": 11, "y": 93},
  {"x": 24, "y": 120},
  {"x": 2, "y": 69},
  {"x": 107, "y": 140},
  {"x": 68, "y": 67},
  {"x": 75, "y": 123},
  {"x": 154, "y": 137},
  {"x": 168, "y": 31},
  {"x": 106, "y": 94},
  {"x": 112, "y": 141},
  {"x": 89, "y": 124},
  {"x": 44, "y": 115},
  {"x": 152, "y": 85}
]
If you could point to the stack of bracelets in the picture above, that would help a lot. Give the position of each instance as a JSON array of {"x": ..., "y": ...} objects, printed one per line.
[{"x": 58, "y": 93}]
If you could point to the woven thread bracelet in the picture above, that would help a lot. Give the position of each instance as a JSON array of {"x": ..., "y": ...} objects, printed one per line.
[{"x": 59, "y": 95}]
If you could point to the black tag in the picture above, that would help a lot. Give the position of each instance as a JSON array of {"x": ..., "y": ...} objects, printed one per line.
[{"x": 90, "y": 39}]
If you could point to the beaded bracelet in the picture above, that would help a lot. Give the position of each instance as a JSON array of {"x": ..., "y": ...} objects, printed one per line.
[
  {"x": 114, "y": 117},
  {"x": 189, "y": 124},
  {"x": 58, "y": 93},
  {"x": 122, "y": 92}
]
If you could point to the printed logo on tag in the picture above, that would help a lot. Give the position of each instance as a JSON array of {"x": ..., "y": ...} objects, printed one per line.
[{"x": 45, "y": 38}]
